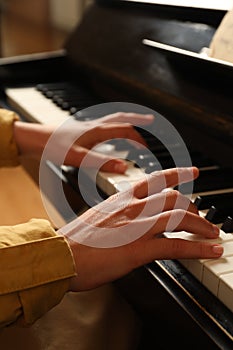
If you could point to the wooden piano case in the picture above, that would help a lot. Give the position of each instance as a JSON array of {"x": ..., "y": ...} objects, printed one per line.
[{"x": 106, "y": 51}]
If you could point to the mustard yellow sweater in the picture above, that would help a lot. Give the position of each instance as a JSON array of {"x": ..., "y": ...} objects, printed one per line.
[{"x": 35, "y": 263}]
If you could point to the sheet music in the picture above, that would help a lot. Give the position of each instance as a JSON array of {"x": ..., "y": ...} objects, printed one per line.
[{"x": 221, "y": 46}]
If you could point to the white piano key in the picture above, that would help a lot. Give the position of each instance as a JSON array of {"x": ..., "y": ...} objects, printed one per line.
[
  {"x": 228, "y": 247},
  {"x": 225, "y": 290},
  {"x": 223, "y": 237},
  {"x": 104, "y": 148},
  {"x": 32, "y": 105},
  {"x": 196, "y": 266},
  {"x": 212, "y": 271},
  {"x": 111, "y": 183}
]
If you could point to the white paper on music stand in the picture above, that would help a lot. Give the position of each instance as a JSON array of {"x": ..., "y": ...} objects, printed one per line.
[{"x": 221, "y": 46}]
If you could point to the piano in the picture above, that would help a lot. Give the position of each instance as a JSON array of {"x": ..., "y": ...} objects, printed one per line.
[{"x": 187, "y": 302}]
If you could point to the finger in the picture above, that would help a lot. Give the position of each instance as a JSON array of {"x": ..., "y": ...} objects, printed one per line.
[
  {"x": 82, "y": 157},
  {"x": 117, "y": 166},
  {"x": 166, "y": 201},
  {"x": 132, "y": 118},
  {"x": 159, "y": 180},
  {"x": 165, "y": 248},
  {"x": 117, "y": 130},
  {"x": 181, "y": 220}
]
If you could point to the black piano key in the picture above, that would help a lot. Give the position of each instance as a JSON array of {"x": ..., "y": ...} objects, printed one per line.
[
  {"x": 222, "y": 215},
  {"x": 72, "y": 99},
  {"x": 63, "y": 89},
  {"x": 60, "y": 100},
  {"x": 218, "y": 216},
  {"x": 144, "y": 155},
  {"x": 69, "y": 96},
  {"x": 50, "y": 93},
  {"x": 227, "y": 226},
  {"x": 221, "y": 206},
  {"x": 152, "y": 166},
  {"x": 219, "y": 200},
  {"x": 66, "y": 105},
  {"x": 80, "y": 105},
  {"x": 158, "y": 149},
  {"x": 70, "y": 90},
  {"x": 210, "y": 180},
  {"x": 197, "y": 158},
  {"x": 122, "y": 145},
  {"x": 78, "y": 115},
  {"x": 144, "y": 160},
  {"x": 44, "y": 87},
  {"x": 197, "y": 202},
  {"x": 177, "y": 158},
  {"x": 211, "y": 215},
  {"x": 76, "y": 99},
  {"x": 74, "y": 110},
  {"x": 134, "y": 153},
  {"x": 201, "y": 161},
  {"x": 63, "y": 95}
]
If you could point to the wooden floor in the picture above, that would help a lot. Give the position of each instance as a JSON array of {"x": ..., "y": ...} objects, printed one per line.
[{"x": 20, "y": 197}]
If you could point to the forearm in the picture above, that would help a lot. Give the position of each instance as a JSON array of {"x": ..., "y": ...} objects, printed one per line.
[
  {"x": 31, "y": 138},
  {"x": 36, "y": 267}
]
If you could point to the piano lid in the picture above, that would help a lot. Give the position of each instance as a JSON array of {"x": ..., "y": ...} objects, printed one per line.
[{"x": 108, "y": 45}]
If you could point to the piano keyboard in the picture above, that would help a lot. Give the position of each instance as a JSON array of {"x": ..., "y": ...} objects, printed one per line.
[
  {"x": 213, "y": 190},
  {"x": 33, "y": 106},
  {"x": 50, "y": 103}
]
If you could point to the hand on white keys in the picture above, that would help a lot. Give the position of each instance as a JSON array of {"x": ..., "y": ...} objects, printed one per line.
[
  {"x": 124, "y": 232},
  {"x": 72, "y": 141}
]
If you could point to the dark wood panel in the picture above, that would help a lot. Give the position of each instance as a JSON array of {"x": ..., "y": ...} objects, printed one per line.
[{"x": 186, "y": 94}]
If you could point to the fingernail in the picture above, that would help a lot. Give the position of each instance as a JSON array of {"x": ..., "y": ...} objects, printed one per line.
[
  {"x": 120, "y": 167},
  {"x": 216, "y": 230},
  {"x": 149, "y": 116},
  {"x": 217, "y": 250}
]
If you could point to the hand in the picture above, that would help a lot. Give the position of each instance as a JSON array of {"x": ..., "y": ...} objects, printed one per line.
[
  {"x": 71, "y": 142},
  {"x": 135, "y": 221}
]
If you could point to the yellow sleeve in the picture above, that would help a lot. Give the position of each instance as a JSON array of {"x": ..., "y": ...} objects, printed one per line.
[
  {"x": 8, "y": 148},
  {"x": 36, "y": 266}
]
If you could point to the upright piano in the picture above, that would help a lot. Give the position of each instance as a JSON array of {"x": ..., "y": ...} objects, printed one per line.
[{"x": 105, "y": 59}]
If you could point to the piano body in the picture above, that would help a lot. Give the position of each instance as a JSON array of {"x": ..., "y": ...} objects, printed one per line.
[{"x": 104, "y": 60}]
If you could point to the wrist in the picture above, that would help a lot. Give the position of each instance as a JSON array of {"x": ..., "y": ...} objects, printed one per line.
[
  {"x": 30, "y": 138},
  {"x": 73, "y": 280}
]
